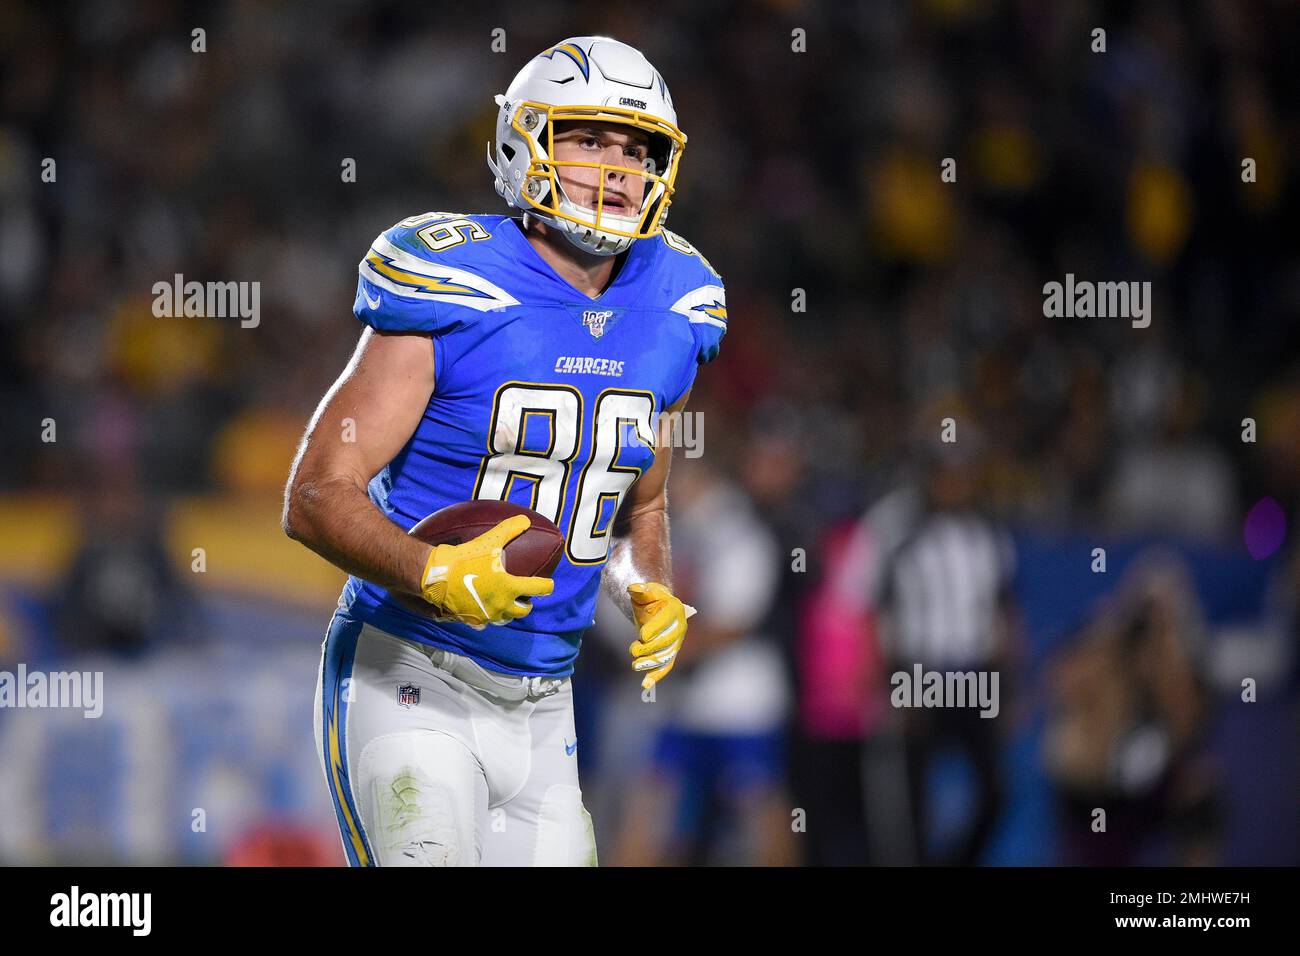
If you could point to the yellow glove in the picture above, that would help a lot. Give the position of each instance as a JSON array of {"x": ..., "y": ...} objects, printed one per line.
[
  {"x": 661, "y": 619},
  {"x": 468, "y": 583}
]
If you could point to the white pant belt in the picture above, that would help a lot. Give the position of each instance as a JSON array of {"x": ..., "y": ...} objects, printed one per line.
[{"x": 504, "y": 686}]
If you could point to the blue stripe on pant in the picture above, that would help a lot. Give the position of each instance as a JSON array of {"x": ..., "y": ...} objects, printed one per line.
[{"x": 340, "y": 652}]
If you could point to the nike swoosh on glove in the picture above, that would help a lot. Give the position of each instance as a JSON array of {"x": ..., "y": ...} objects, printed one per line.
[{"x": 469, "y": 583}]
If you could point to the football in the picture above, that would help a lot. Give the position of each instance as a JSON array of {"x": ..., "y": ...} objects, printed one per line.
[{"x": 536, "y": 552}]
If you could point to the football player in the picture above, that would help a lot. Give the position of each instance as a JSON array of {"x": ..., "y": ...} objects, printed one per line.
[{"x": 527, "y": 358}]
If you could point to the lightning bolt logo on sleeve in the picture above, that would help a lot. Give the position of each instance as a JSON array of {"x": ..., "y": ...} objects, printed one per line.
[
  {"x": 404, "y": 274},
  {"x": 707, "y": 304}
]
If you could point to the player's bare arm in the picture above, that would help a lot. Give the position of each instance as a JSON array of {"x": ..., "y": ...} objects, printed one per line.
[
  {"x": 639, "y": 547},
  {"x": 638, "y": 574},
  {"x": 640, "y": 550},
  {"x": 360, "y": 424}
]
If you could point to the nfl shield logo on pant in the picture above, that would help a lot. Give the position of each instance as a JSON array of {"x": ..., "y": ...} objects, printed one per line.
[{"x": 408, "y": 695}]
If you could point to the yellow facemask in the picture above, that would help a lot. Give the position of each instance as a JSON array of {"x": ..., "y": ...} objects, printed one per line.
[{"x": 541, "y": 188}]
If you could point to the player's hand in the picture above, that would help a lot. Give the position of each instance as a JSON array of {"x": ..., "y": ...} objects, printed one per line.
[
  {"x": 469, "y": 583},
  {"x": 661, "y": 619}
]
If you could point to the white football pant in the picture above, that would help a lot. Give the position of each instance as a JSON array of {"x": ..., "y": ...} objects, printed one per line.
[{"x": 426, "y": 768}]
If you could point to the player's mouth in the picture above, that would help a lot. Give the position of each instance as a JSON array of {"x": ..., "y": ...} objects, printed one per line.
[{"x": 617, "y": 205}]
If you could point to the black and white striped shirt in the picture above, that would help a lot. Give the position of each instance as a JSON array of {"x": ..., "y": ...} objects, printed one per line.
[{"x": 941, "y": 578}]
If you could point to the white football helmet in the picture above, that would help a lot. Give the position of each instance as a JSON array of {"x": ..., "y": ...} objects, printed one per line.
[{"x": 595, "y": 79}]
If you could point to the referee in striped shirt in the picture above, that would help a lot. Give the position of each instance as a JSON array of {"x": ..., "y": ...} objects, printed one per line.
[{"x": 941, "y": 586}]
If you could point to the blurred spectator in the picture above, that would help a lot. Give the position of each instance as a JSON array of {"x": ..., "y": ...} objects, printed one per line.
[
  {"x": 1129, "y": 709},
  {"x": 1173, "y": 481},
  {"x": 716, "y": 789},
  {"x": 820, "y": 630},
  {"x": 121, "y": 593},
  {"x": 840, "y": 703},
  {"x": 941, "y": 582}
]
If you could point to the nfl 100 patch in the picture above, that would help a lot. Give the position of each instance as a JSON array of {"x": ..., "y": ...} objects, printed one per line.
[{"x": 594, "y": 318}]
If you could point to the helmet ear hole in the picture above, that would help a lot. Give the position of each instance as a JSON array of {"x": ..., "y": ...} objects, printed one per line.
[{"x": 661, "y": 148}]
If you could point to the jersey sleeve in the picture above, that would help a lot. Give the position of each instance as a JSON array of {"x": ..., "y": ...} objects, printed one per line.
[
  {"x": 705, "y": 309},
  {"x": 403, "y": 285},
  {"x": 709, "y": 324},
  {"x": 698, "y": 294}
]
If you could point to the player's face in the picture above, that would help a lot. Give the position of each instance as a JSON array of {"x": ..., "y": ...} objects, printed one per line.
[{"x": 609, "y": 143}]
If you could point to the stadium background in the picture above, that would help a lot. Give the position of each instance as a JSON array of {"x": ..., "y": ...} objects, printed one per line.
[{"x": 816, "y": 171}]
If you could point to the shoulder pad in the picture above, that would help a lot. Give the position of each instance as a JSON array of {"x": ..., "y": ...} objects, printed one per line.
[
  {"x": 413, "y": 271},
  {"x": 677, "y": 243},
  {"x": 699, "y": 295}
]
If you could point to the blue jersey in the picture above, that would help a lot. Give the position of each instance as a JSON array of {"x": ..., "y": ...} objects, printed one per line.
[{"x": 542, "y": 396}]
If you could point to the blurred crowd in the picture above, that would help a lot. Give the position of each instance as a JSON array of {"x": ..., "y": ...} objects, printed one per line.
[{"x": 871, "y": 300}]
